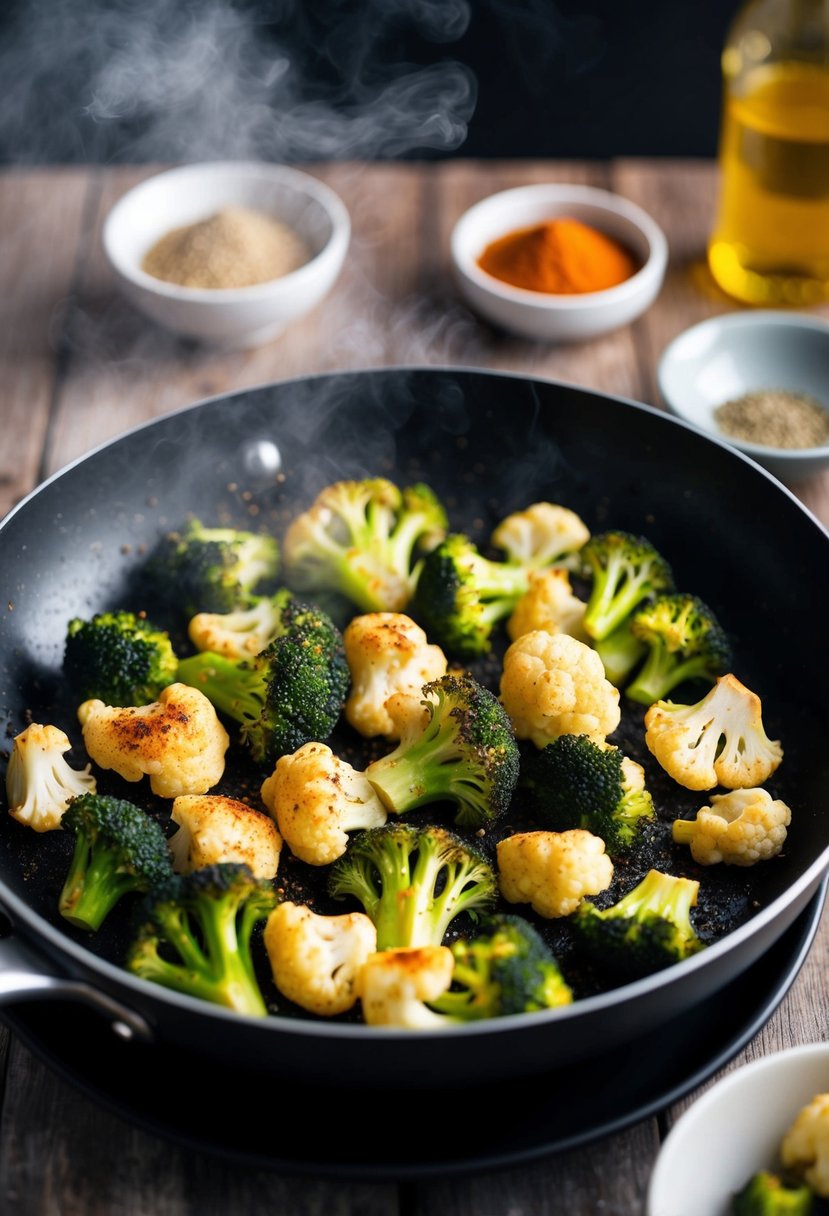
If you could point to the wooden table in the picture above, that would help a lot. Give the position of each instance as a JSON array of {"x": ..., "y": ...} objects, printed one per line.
[{"x": 79, "y": 366}]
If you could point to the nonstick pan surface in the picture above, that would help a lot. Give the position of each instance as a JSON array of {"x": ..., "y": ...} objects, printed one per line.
[{"x": 488, "y": 444}]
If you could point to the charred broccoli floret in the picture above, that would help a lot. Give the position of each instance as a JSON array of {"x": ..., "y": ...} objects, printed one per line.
[
  {"x": 364, "y": 540},
  {"x": 413, "y": 881},
  {"x": 505, "y": 968},
  {"x": 575, "y": 783},
  {"x": 289, "y": 694},
  {"x": 194, "y": 931},
  {"x": 683, "y": 640},
  {"x": 207, "y": 569},
  {"x": 118, "y": 658},
  {"x": 645, "y": 931},
  {"x": 461, "y": 595},
  {"x": 767, "y": 1194},
  {"x": 625, "y": 569},
  {"x": 118, "y": 849},
  {"x": 466, "y": 754}
]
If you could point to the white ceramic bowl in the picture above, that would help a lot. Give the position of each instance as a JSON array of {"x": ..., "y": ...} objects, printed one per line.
[
  {"x": 541, "y": 315},
  {"x": 741, "y": 352},
  {"x": 734, "y": 1130},
  {"x": 229, "y": 317}
]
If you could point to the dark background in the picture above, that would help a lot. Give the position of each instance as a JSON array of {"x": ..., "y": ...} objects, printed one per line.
[{"x": 93, "y": 80}]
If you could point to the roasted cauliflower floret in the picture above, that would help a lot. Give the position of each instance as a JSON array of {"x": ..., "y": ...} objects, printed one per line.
[
  {"x": 394, "y": 986},
  {"x": 40, "y": 784},
  {"x": 738, "y": 828},
  {"x": 552, "y": 685},
  {"x": 317, "y": 799},
  {"x": 541, "y": 534},
  {"x": 552, "y": 871},
  {"x": 177, "y": 741},
  {"x": 549, "y": 604},
  {"x": 213, "y": 828},
  {"x": 387, "y": 653},
  {"x": 315, "y": 959},
  {"x": 805, "y": 1146},
  {"x": 718, "y": 741}
]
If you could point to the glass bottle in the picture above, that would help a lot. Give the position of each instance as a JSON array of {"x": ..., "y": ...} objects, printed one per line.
[{"x": 770, "y": 242}]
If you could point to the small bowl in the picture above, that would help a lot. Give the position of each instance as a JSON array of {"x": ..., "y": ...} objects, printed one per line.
[
  {"x": 733, "y": 1131},
  {"x": 239, "y": 316},
  {"x": 544, "y": 316},
  {"x": 742, "y": 352}
]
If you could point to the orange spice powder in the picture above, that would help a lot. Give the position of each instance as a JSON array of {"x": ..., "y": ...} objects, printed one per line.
[{"x": 561, "y": 256}]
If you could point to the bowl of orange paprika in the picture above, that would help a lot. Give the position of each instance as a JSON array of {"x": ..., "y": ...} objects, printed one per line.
[{"x": 556, "y": 262}]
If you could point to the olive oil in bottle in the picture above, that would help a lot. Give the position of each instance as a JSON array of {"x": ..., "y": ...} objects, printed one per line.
[{"x": 770, "y": 243}]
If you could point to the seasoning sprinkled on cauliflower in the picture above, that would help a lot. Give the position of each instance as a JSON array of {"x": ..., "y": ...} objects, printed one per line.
[
  {"x": 387, "y": 653},
  {"x": 738, "y": 828},
  {"x": 549, "y": 604},
  {"x": 718, "y": 741},
  {"x": 315, "y": 960},
  {"x": 394, "y": 985},
  {"x": 552, "y": 871},
  {"x": 40, "y": 784},
  {"x": 805, "y": 1146},
  {"x": 177, "y": 741},
  {"x": 541, "y": 534},
  {"x": 214, "y": 828},
  {"x": 317, "y": 799},
  {"x": 552, "y": 685}
]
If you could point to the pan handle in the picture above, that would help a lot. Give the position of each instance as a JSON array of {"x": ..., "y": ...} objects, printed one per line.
[{"x": 24, "y": 975}]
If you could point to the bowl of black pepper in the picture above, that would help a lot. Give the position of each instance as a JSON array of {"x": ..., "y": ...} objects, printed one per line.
[
  {"x": 758, "y": 381},
  {"x": 227, "y": 253}
]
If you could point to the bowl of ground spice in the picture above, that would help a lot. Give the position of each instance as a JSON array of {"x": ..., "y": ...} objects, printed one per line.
[
  {"x": 227, "y": 253},
  {"x": 557, "y": 262},
  {"x": 759, "y": 381}
]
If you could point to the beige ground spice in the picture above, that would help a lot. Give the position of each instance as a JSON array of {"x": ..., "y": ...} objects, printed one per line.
[
  {"x": 775, "y": 418},
  {"x": 236, "y": 247}
]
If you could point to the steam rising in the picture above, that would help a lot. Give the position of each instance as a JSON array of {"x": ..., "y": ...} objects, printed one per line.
[{"x": 182, "y": 80}]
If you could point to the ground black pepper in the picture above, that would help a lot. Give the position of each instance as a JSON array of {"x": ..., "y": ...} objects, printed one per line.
[{"x": 775, "y": 418}]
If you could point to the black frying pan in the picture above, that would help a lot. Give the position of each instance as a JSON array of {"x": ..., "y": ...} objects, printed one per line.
[{"x": 488, "y": 444}]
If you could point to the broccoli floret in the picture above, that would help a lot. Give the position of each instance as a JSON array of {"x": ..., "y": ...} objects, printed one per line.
[
  {"x": 413, "y": 882},
  {"x": 575, "y": 783},
  {"x": 361, "y": 539},
  {"x": 118, "y": 849},
  {"x": 684, "y": 641},
  {"x": 461, "y": 595},
  {"x": 767, "y": 1194},
  {"x": 646, "y": 930},
  {"x": 118, "y": 658},
  {"x": 466, "y": 754},
  {"x": 194, "y": 934},
  {"x": 625, "y": 569},
  {"x": 290, "y": 694},
  {"x": 506, "y": 968},
  {"x": 620, "y": 652},
  {"x": 204, "y": 569}
]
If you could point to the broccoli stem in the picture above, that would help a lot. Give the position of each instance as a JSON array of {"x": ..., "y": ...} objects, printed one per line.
[
  {"x": 619, "y": 590},
  {"x": 661, "y": 672},
  {"x": 420, "y": 772},
  {"x": 233, "y": 689},
  {"x": 93, "y": 885}
]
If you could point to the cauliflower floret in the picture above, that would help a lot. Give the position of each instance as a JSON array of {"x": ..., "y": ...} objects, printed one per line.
[
  {"x": 409, "y": 714},
  {"x": 541, "y": 534},
  {"x": 317, "y": 799},
  {"x": 315, "y": 959},
  {"x": 738, "y": 828},
  {"x": 720, "y": 740},
  {"x": 805, "y": 1146},
  {"x": 552, "y": 685},
  {"x": 40, "y": 784},
  {"x": 549, "y": 604},
  {"x": 394, "y": 984},
  {"x": 552, "y": 871},
  {"x": 239, "y": 634},
  {"x": 214, "y": 828},
  {"x": 178, "y": 741},
  {"x": 387, "y": 653}
]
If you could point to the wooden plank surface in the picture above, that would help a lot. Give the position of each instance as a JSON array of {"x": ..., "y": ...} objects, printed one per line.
[{"x": 80, "y": 366}]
